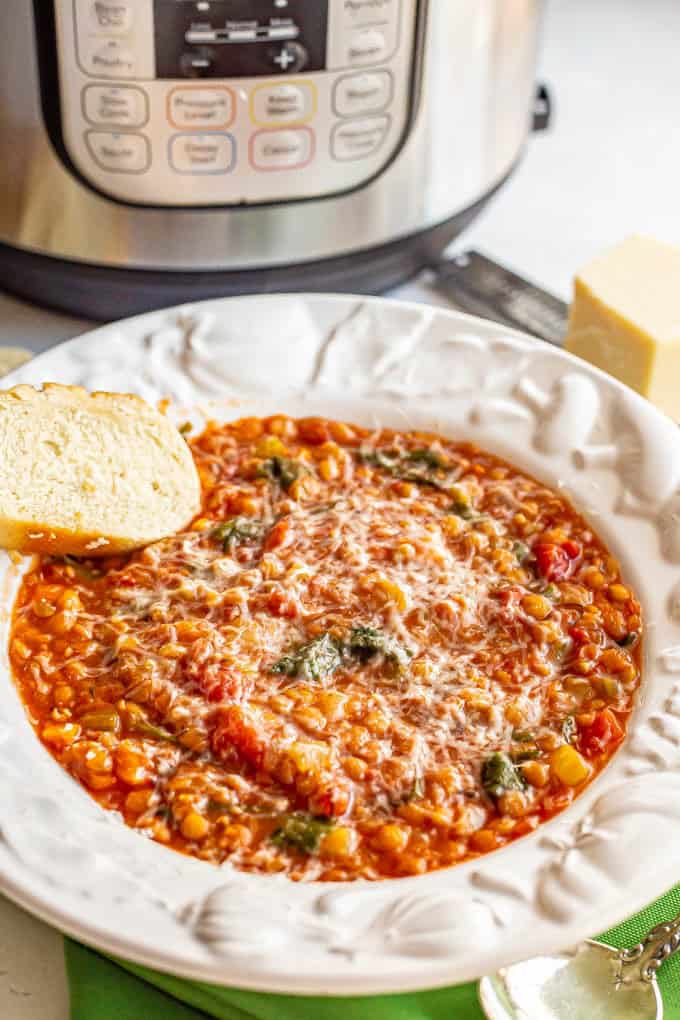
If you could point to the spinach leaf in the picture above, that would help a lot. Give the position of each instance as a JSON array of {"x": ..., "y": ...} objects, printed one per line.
[
  {"x": 526, "y": 754},
  {"x": 462, "y": 509},
  {"x": 429, "y": 458},
  {"x": 499, "y": 775},
  {"x": 410, "y": 465},
  {"x": 365, "y": 642},
  {"x": 302, "y": 831},
  {"x": 144, "y": 728},
  {"x": 313, "y": 661},
  {"x": 521, "y": 551},
  {"x": 417, "y": 791},
  {"x": 283, "y": 470},
  {"x": 237, "y": 530}
]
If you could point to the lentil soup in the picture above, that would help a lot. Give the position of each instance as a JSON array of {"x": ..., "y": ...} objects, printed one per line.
[{"x": 374, "y": 654}]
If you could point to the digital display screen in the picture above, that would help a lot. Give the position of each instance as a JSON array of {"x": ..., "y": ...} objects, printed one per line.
[{"x": 239, "y": 38}]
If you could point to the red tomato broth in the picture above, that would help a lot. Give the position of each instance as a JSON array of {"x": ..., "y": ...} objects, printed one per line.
[{"x": 372, "y": 655}]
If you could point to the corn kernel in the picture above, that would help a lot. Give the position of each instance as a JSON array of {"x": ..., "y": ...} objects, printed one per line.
[
  {"x": 514, "y": 714},
  {"x": 43, "y": 609},
  {"x": 404, "y": 551},
  {"x": 377, "y": 723},
  {"x": 594, "y": 578},
  {"x": 536, "y": 773},
  {"x": 567, "y": 765},
  {"x": 131, "y": 766},
  {"x": 355, "y": 768},
  {"x": 304, "y": 488},
  {"x": 391, "y": 838},
  {"x": 536, "y": 606},
  {"x": 280, "y": 425},
  {"x": 234, "y": 836},
  {"x": 310, "y": 719},
  {"x": 392, "y": 592},
  {"x": 340, "y": 842},
  {"x": 618, "y": 593},
  {"x": 484, "y": 840},
  {"x": 171, "y": 651},
  {"x": 328, "y": 469},
  {"x": 62, "y": 735},
  {"x": 63, "y": 694},
  {"x": 138, "y": 801},
  {"x": 332, "y": 704},
  {"x": 423, "y": 669},
  {"x": 270, "y": 446},
  {"x": 194, "y": 826}
]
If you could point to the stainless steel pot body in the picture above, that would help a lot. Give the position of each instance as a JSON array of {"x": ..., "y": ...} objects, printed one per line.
[{"x": 469, "y": 97}]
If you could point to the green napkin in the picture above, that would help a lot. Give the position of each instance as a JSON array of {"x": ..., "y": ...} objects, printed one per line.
[{"x": 104, "y": 989}]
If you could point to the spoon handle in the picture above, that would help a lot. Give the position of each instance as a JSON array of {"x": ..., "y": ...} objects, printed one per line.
[{"x": 641, "y": 962}]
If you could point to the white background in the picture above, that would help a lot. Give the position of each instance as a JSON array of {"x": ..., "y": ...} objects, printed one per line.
[{"x": 609, "y": 167}]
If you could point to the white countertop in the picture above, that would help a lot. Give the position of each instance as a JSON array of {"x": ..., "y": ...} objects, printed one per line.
[{"x": 608, "y": 168}]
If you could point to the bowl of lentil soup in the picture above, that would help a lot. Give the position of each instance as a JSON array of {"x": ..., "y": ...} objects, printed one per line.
[{"x": 397, "y": 644}]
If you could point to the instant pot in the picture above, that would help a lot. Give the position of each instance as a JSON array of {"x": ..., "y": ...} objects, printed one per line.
[{"x": 156, "y": 151}]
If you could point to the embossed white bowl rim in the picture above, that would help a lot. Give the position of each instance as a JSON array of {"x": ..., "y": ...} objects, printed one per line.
[{"x": 376, "y": 361}]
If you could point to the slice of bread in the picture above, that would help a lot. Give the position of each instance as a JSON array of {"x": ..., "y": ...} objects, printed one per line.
[{"x": 90, "y": 474}]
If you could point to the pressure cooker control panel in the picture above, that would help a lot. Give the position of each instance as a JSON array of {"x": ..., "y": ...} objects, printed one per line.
[{"x": 221, "y": 102}]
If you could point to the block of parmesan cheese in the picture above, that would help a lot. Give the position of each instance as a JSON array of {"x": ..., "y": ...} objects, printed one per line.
[{"x": 625, "y": 318}]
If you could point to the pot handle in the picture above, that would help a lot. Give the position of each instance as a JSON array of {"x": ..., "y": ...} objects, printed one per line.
[{"x": 479, "y": 285}]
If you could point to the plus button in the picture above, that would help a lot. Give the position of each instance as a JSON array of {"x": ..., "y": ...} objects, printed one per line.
[{"x": 284, "y": 60}]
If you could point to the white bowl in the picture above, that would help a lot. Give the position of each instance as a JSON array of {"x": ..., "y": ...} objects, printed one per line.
[{"x": 375, "y": 361}]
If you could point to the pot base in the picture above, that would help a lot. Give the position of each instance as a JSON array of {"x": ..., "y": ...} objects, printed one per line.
[{"x": 104, "y": 293}]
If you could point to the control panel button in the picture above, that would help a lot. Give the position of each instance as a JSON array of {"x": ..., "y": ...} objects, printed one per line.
[
  {"x": 357, "y": 139},
  {"x": 199, "y": 107},
  {"x": 111, "y": 17},
  {"x": 370, "y": 12},
  {"x": 367, "y": 92},
  {"x": 367, "y": 46},
  {"x": 287, "y": 103},
  {"x": 120, "y": 105},
  {"x": 281, "y": 150},
  {"x": 115, "y": 38},
  {"x": 119, "y": 153},
  {"x": 292, "y": 56},
  {"x": 202, "y": 154},
  {"x": 112, "y": 60}
]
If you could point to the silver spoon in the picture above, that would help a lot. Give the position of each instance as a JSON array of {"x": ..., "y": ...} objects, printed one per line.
[{"x": 592, "y": 982}]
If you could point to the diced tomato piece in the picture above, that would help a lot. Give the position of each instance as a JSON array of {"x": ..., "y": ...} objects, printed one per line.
[
  {"x": 314, "y": 430},
  {"x": 580, "y": 636},
  {"x": 280, "y": 535},
  {"x": 602, "y": 735},
  {"x": 572, "y": 549},
  {"x": 509, "y": 599},
  {"x": 332, "y": 801},
  {"x": 552, "y": 561},
  {"x": 280, "y": 604},
  {"x": 221, "y": 684},
  {"x": 510, "y": 596},
  {"x": 126, "y": 581},
  {"x": 236, "y": 731}
]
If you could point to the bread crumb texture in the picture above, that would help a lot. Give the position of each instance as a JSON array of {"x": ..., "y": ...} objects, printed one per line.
[{"x": 90, "y": 473}]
